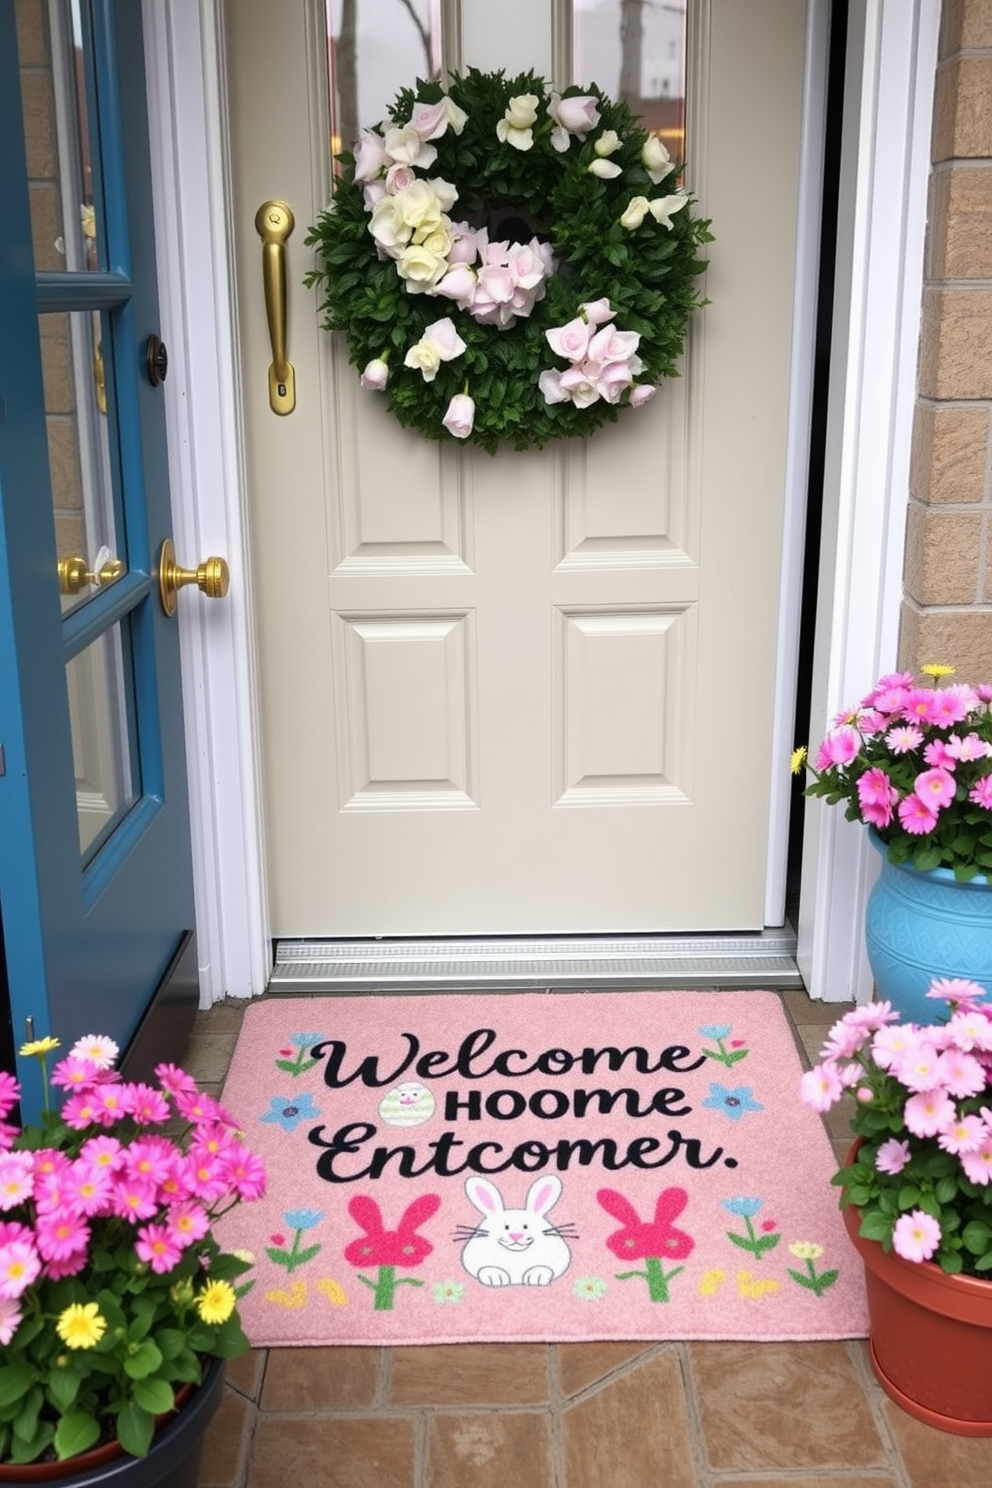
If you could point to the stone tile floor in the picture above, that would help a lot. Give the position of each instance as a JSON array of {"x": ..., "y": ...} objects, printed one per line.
[{"x": 597, "y": 1415}]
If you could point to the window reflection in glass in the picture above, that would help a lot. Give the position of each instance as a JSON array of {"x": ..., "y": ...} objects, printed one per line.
[
  {"x": 103, "y": 749},
  {"x": 374, "y": 50},
  {"x": 50, "y": 36},
  {"x": 77, "y": 417},
  {"x": 635, "y": 50}
]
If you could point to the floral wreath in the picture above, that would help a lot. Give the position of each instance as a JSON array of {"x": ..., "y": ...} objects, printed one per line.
[{"x": 509, "y": 264}]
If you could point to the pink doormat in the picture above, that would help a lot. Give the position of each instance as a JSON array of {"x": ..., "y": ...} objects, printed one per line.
[{"x": 536, "y": 1167}]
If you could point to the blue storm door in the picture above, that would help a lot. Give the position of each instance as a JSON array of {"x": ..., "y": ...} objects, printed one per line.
[{"x": 95, "y": 862}]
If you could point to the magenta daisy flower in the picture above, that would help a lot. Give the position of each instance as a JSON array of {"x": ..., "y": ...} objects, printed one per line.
[
  {"x": 174, "y": 1080},
  {"x": 981, "y": 792},
  {"x": 187, "y": 1222},
  {"x": 10, "y": 1092},
  {"x": 62, "y": 1235},
  {"x": 10, "y": 1318},
  {"x": 916, "y": 815},
  {"x": 157, "y": 1245},
  {"x": 147, "y": 1105},
  {"x": 73, "y": 1073},
  {"x": 936, "y": 788}
]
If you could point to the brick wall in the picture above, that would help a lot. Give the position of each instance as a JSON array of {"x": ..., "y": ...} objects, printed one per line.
[{"x": 947, "y": 604}]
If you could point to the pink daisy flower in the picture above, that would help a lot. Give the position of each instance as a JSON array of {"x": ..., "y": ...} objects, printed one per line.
[
  {"x": 16, "y": 1179},
  {"x": 904, "y": 738},
  {"x": 157, "y": 1246},
  {"x": 13, "y": 1229},
  {"x": 889, "y": 1044},
  {"x": 195, "y": 1105},
  {"x": 842, "y": 745},
  {"x": 73, "y": 1073},
  {"x": 174, "y": 1080},
  {"x": 205, "y": 1176},
  {"x": 152, "y": 1159},
  {"x": 245, "y": 1173},
  {"x": 917, "y": 1067},
  {"x": 889, "y": 699},
  {"x": 920, "y": 705},
  {"x": 892, "y": 1157},
  {"x": 966, "y": 1134},
  {"x": 956, "y": 990},
  {"x": 109, "y": 1102},
  {"x": 916, "y": 815},
  {"x": 147, "y": 1105},
  {"x": 916, "y": 1236},
  {"x": 820, "y": 1087},
  {"x": 971, "y": 747},
  {"x": 971, "y": 1030},
  {"x": 187, "y": 1222},
  {"x": 134, "y": 1198},
  {"x": 929, "y": 1112},
  {"x": 977, "y": 1165},
  {"x": 19, "y": 1266},
  {"x": 62, "y": 1235},
  {"x": 960, "y": 1074},
  {"x": 81, "y": 1110},
  {"x": 981, "y": 792},
  {"x": 104, "y": 1152},
  {"x": 71, "y": 1266},
  {"x": 10, "y": 1092},
  {"x": 88, "y": 1187},
  {"x": 936, "y": 787},
  {"x": 938, "y": 756},
  {"x": 10, "y": 1318},
  {"x": 844, "y": 1040}
]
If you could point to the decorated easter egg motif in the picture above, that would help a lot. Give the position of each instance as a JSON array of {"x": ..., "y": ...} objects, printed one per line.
[{"x": 409, "y": 1104}]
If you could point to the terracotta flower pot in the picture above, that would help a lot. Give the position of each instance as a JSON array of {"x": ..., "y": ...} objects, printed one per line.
[
  {"x": 172, "y": 1462},
  {"x": 930, "y": 1336}
]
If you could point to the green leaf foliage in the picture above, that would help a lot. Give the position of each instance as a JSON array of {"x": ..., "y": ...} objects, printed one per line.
[{"x": 649, "y": 273}]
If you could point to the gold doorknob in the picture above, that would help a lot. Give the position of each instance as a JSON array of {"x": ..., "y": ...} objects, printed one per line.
[
  {"x": 75, "y": 574},
  {"x": 212, "y": 577}
]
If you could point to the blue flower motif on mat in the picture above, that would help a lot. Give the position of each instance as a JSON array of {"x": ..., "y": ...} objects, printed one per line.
[
  {"x": 306, "y": 1040},
  {"x": 742, "y": 1206},
  {"x": 303, "y": 1219},
  {"x": 715, "y": 1030},
  {"x": 289, "y": 1113},
  {"x": 733, "y": 1102}
]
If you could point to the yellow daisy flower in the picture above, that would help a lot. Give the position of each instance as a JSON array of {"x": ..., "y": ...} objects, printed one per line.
[
  {"x": 39, "y": 1047},
  {"x": 216, "y": 1302},
  {"x": 936, "y": 671},
  {"x": 81, "y": 1325},
  {"x": 798, "y": 759}
]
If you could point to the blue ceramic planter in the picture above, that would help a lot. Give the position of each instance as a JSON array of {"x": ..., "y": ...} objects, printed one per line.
[{"x": 924, "y": 925}]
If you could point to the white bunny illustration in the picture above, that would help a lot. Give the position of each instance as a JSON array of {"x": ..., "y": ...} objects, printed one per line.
[{"x": 515, "y": 1247}]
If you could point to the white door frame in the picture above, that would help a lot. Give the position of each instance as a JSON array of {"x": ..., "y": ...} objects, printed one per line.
[{"x": 872, "y": 394}]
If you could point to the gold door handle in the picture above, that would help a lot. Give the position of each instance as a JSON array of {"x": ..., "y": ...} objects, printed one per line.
[
  {"x": 274, "y": 221},
  {"x": 212, "y": 577},
  {"x": 75, "y": 574}
]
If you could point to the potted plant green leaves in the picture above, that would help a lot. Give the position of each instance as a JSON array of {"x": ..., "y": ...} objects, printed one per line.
[
  {"x": 117, "y": 1305},
  {"x": 917, "y": 1195},
  {"x": 913, "y": 762}
]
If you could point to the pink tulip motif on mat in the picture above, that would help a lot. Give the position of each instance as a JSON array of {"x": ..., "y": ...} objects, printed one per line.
[
  {"x": 388, "y": 1249},
  {"x": 651, "y": 1241}
]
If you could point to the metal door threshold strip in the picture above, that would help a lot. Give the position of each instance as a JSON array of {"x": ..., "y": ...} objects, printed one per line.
[{"x": 763, "y": 959}]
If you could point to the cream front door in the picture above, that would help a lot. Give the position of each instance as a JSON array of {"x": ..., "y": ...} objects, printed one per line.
[{"x": 531, "y": 692}]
